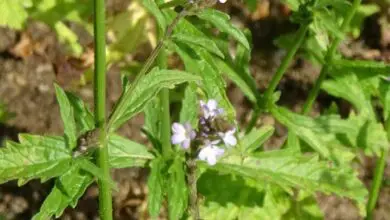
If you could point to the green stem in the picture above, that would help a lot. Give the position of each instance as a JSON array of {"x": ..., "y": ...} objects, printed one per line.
[
  {"x": 376, "y": 184},
  {"x": 105, "y": 198},
  {"x": 328, "y": 59},
  {"x": 279, "y": 74}
]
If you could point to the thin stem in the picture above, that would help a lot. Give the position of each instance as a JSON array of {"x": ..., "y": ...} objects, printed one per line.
[
  {"x": 376, "y": 184},
  {"x": 105, "y": 198},
  {"x": 279, "y": 74},
  {"x": 148, "y": 64},
  {"x": 328, "y": 59},
  {"x": 191, "y": 181}
]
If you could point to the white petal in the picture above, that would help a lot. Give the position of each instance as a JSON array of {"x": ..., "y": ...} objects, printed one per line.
[
  {"x": 222, "y": 1},
  {"x": 177, "y": 138},
  {"x": 230, "y": 140},
  {"x": 186, "y": 143},
  {"x": 211, "y": 160},
  {"x": 212, "y": 104},
  {"x": 203, "y": 153},
  {"x": 178, "y": 128}
]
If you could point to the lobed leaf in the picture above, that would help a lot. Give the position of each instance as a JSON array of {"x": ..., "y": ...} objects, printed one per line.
[
  {"x": 177, "y": 190},
  {"x": 256, "y": 138},
  {"x": 155, "y": 185},
  {"x": 147, "y": 88},
  {"x": 82, "y": 115}
]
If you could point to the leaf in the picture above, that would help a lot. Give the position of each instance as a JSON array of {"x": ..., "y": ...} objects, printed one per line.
[
  {"x": 304, "y": 132},
  {"x": 363, "y": 12},
  {"x": 287, "y": 169},
  {"x": 304, "y": 206},
  {"x": 83, "y": 116},
  {"x": 153, "y": 9},
  {"x": 222, "y": 21},
  {"x": 198, "y": 40},
  {"x": 155, "y": 185},
  {"x": 348, "y": 87},
  {"x": 190, "y": 106},
  {"x": 35, "y": 157},
  {"x": 148, "y": 88},
  {"x": 232, "y": 197},
  {"x": 152, "y": 117},
  {"x": 67, "y": 116},
  {"x": 384, "y": 95},
  {"x": 67, "y": 36},
  {"x": 256, "y": 138},
  {"x": 361, "y": 68},
  {"x": 66, "y": 192},
  {"x": 177, "y": 190},
  {"x": 125, "y": 153},
  {"x": 12, "y": 13},
  {"x": 213, "y": 84}
]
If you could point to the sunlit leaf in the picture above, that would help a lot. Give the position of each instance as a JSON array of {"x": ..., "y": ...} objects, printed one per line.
[
  {"x": 256, "y": 138},
  {"x": 177, "y": 190},
  {"x": 155, "y": 185},
  {"x": 12, "y": 13}
]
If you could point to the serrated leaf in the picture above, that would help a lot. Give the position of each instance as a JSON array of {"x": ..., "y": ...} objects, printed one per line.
[
  {"x": 67, "y": 116},
  {"x": 232, "y": 197},
  {"x": 177, "y": 190},
  {"x": 304, "y": 206},
  {"x": 153, "y": 9},
  {"x": 152, "y": 116},
  {"x": 66, "y": 192},
  {"x": 256, "y": 138},
  {"x": 12, "y": 13},
  {"x": 36, "y": 157},
  {"x": 126, "y": 153},
  {"x": 190, "y": 106},
  {"x": 201, "y": 63},
  {"x": 287, "y": 169},
  {"x": 155, "y": 186},
  {"x": 83, "y": 116},
  {"x": 148, "y": 88},
  {"x": 198, "y": 40},
  {"x": 222, "y": 21},
  {"x": 361, "y": 68},
  {"x": 348, "y": 87}
]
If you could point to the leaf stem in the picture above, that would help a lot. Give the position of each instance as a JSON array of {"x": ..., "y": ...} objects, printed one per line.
[
  {"x": 118, "y": 109},
  {"x": 105, "y": 198},
  {"x": 329, "y": 58},
  {"x": 301, "y": 34},
  {"x": 191, "y": 181}
]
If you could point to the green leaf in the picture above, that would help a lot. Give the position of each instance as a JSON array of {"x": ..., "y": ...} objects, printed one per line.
[
  {"x": 83, "y": 116},
  {"x": 125, "y": 153},
  {"x": 190, "y": 106},
  {"x": 67, "y": 116},
  {"x": 66, "y": 192},
  {"x": 152, "y": 117},
  {"x": 328, "y": 21},
  {"x": 148, "y": 88},
  {"x": 384, "y": 95},
  {"x": 295, "y": 124},
  {"x": 364, "y": 11},
  {"x": 304, "y": 206},
  {"x": 256, "y": 138},
  {"x": 201, "y": 63},
  {"x": 222, "y": 21},
  {"x": 35, "y": 157},
  {"x": 12, "y": 13},
  {"x": 177, "y": 190},
  {"x": 287, "y": 169},
  {"x": 155, "y": 185},
  {"x": 348, "y": 87},
  {"x": 198, "y": 40},
  {"x": 361, "y": 68},
  {"x": 232, "y": 197},
  {"x": 153, "y": 9}
]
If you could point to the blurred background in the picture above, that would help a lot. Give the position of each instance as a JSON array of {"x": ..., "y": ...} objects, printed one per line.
[{"x": 55, "y": 45}]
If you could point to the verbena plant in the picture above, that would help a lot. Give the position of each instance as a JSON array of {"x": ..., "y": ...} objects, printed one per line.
[{"x": 202, "y": 163}]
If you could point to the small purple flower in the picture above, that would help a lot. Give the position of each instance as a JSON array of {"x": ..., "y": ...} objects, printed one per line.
[
  {"x": 210, "y": 109},
  {"x": 228, "y": 138},
  {"x": 210, "y": 153},
  {"x": 182, "y": 134}
]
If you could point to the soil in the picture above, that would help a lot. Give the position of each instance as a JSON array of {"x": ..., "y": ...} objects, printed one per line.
[{"x": 32, "y": 60}]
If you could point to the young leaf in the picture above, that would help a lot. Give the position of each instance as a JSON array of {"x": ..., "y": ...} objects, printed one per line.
[
  {"x": 190, "y": 106},
  {"x": 125, "y": 153},
  {"x": 198, "y": 40},
  {"x": 222, "y": 21},
  {"x": 12, "y": 13},
  {"x": 67, "y": 116},
  {"x": 155, "y": 185},
  {"x": 66, "y": 192},
  {"x": 256, "y": 138},
  {"x": 36, "y": 157},
  {"x": 147, "y": 88},
  {"x": 82, "y": 115},
  {"x": 177, "y": 190}
]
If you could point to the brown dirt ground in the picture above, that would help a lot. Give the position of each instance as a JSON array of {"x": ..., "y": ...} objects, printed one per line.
[{"x": 30, "y": 61}]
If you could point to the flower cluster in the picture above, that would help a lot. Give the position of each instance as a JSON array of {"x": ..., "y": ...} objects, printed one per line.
[{"x": 213, "y": 131}]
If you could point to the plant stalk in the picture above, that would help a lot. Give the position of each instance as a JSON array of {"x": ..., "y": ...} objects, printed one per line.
[
  {"x": 191, "y": 181},
  {"x": 328, "y": 59},
  {"x": 279, "y": 74},
  {"x": 105, "y": 198}
]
